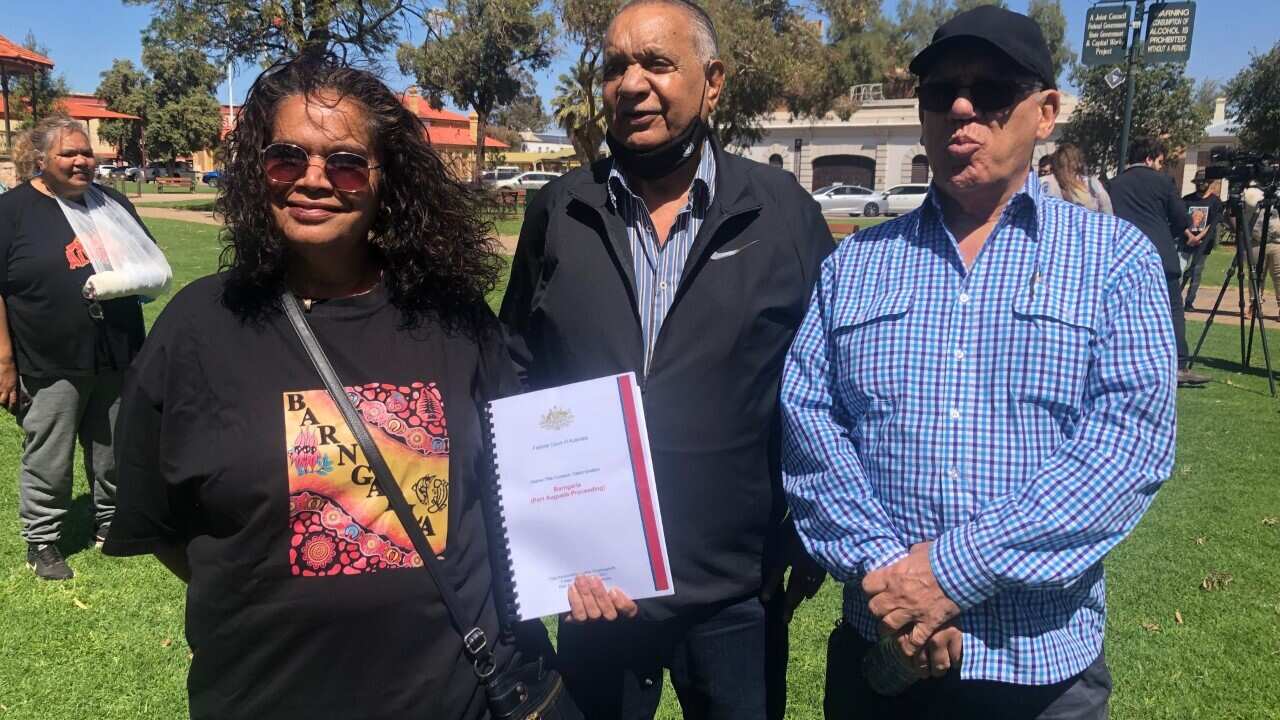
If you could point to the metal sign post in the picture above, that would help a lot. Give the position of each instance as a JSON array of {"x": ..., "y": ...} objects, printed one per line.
[
  {"x": 1130, "y": 83},
  {"x": 1169, "y": 26}
]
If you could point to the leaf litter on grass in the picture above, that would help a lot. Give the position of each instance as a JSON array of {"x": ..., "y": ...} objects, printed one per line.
[{"x": 1216, "y": 580}]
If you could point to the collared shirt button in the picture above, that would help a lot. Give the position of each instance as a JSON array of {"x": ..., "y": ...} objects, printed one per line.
[
  {"x": 954, "y": 474},
  {"x": 955, "y": 414},
  {"x": 663, "y": 284},
  {"x": 959, "y": 354},
  {"x": 964, "y": 298}
]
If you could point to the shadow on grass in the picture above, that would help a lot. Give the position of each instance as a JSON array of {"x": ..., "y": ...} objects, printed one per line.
[
  {"x": 1256, "y": 369},
  {"x": 77, "y": 526}
]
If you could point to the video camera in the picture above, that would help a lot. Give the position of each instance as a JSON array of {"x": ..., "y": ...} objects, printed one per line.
[{"x": 1241, "y": 167}]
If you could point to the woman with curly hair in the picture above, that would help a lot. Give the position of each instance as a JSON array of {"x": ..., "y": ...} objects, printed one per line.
[{"x": 305, "y": 595}]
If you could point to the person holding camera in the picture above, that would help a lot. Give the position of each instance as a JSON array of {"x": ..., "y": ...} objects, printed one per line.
[{"x": 1255, "y": 212}]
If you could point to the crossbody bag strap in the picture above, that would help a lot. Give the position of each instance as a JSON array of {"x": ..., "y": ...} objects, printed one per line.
[{"x": 474, "y": 640}]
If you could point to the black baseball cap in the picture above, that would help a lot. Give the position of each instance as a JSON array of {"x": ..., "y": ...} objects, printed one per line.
[{"x": 1016, "y": 35}]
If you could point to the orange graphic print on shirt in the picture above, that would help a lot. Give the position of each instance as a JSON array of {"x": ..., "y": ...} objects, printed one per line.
[
  {"x": 340, "y": 522},
  {"x": 76, "y": 256}
]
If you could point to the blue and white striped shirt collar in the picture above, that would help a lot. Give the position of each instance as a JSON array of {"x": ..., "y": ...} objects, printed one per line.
[{"x": 701, "y": 192}]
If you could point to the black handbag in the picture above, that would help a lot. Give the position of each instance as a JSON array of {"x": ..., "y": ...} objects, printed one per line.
[{"x": 525, "y": 691}]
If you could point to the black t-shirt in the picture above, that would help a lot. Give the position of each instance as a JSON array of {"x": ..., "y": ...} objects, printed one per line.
[
  {"x": 1202, "y": 211},
  {"x": 43, "y": 269},
  {"x": 306, "y": 596}
]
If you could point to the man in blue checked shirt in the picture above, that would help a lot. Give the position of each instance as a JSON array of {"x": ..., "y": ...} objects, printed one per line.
[{"x": 978, "y": 406}]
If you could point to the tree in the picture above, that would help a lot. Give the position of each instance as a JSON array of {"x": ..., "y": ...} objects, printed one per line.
[
  {"x": 182, "y": 115},
  {"x": 1053, "y": 23},
  {"x": 862, "y": 47},
  {"x": 1254, "y": 99},
  {"x": 1163, "y": 106},
  {"x": 125, "y": 88},
  {"x": 578, "y": 105},
  {"x": 769, "y": 49},
  {"x": 524, "y": 112},
  {"x": 474, "y": 52},
  {"x": 266, "y": 31},
  {"x": 917, "y": 21},
  {"x": 579, "y": 109},
  {"x": 36, "y": 96}
]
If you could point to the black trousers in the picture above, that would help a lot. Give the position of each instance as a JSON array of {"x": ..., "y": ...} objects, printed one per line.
[
  {"x": 1083, "y": 697},
  {"x": 1174, "y": 281},
  {"x": 727, "y": 662}
]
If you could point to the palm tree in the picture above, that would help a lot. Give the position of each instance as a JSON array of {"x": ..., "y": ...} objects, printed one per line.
[{"x": 578, "y": 109}]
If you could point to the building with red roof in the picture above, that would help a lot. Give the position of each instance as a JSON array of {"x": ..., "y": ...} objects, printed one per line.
[
  {"x": 452, "y": 135},
  {"x": 88, "y": 109}
]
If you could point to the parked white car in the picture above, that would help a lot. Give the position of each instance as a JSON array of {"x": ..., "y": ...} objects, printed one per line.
[
  {"x": 851, "y": 199},
  {"x": 901, "y": 199},
  {"x": 527, "y": 181}
]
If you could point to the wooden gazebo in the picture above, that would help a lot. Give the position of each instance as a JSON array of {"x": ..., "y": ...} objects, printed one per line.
[{"x": 17, "y": 60}]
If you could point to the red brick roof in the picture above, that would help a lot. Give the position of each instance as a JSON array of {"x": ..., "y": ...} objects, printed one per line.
[
  {"x": 420, "y": 107},
  {"x": 85, "y": 107},
  {"x": 459, "y": 137},
  {"x": 81, "y": 107},
  {"x": 16, "y": 57}
]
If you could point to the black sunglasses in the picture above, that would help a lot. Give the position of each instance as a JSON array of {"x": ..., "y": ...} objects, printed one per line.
[
  {"x": 985, "y": 95},
  {"x": 346, "y": 171}
]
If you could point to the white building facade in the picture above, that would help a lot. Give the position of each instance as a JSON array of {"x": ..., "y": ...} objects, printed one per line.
[
  {"x": 545, "y": 142},
  {"x": 877, "y": 147}
]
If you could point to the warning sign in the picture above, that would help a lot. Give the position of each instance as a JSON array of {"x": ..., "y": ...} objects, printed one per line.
[
  {"x": 1169, "y": 32},
  {"x": 1106, "y": 31}
]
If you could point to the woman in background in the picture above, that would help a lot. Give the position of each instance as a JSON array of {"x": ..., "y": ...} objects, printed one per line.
[
  {"x": 1069, "y": 182},
  {"x": 62, "y": 353}
]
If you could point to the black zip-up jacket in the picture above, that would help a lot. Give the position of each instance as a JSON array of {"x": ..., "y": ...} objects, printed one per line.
[
  {"x": 711, "y": 395},
  {"x": 1149, "y": 199}
]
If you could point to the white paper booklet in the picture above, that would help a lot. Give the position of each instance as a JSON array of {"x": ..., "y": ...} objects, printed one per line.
[{"x": 576, "y": 494}]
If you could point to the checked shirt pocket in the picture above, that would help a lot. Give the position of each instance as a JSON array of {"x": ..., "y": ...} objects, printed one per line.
[
  {"x": 873, "y": 345},
  {"x": 1050, "y": 355}
]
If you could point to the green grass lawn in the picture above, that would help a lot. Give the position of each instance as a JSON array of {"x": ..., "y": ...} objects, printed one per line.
[
  {"x": 204, "y": 204},
  {"x": 109, "y": 644}
]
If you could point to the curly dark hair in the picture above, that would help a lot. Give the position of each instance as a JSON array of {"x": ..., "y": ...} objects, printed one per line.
[{"x": 438, "y": 253}]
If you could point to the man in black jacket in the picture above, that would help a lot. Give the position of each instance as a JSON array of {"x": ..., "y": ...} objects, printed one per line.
[
  {"x": 1146, "y": 197},
  {"x": 692, "y": 268}
]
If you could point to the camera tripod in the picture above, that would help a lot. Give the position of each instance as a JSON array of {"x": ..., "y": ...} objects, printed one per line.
[{"x": 1242, "y": 269}]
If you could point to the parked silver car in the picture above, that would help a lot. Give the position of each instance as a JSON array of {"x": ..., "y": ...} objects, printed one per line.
[
  {"x": 851, "y": 199},
  {"x": 526, "y": 181},
  {"x": 901, "y": 199}
]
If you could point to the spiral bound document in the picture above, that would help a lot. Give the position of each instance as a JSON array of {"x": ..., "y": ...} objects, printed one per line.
[{"x": 576, "y": 495}]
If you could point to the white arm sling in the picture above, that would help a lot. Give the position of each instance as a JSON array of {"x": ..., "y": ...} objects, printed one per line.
[{"x": 125, "y": 260}]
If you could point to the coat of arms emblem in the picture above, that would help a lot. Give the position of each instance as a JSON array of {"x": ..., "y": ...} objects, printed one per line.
[{"x": 556, "y": 418}]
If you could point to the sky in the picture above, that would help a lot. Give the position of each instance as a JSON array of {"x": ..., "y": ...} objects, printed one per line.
[{"x": 84, "y": 36}]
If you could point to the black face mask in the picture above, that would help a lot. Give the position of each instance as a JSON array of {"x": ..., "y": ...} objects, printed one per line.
[{"x": 663, "y": 160}]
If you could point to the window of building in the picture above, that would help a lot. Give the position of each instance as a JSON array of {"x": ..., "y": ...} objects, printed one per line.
[{"x": 920, "y": 169}]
